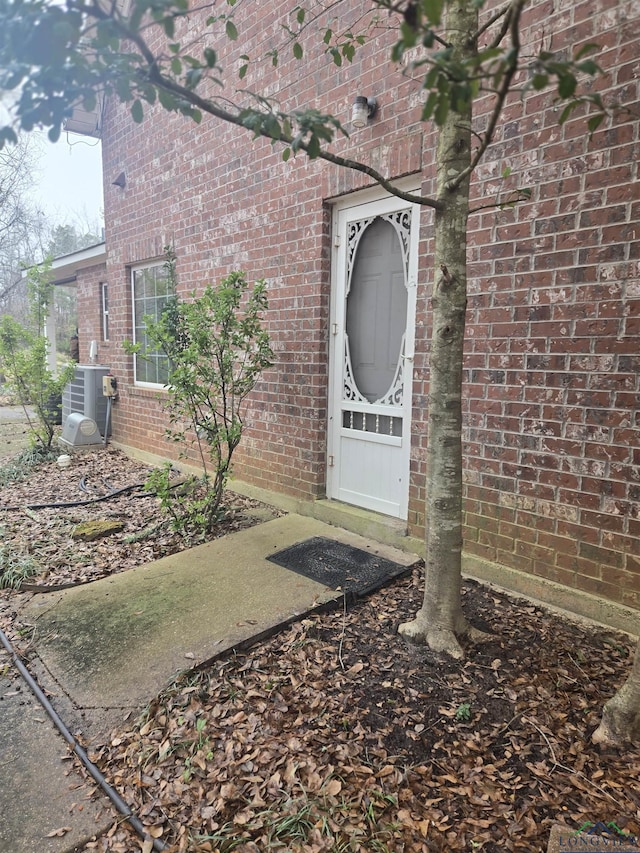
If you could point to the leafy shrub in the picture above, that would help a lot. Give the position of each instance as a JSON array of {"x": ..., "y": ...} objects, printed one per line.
[
  {"x": 216, "y": 348},
  {"x": 23, "y": 359}
]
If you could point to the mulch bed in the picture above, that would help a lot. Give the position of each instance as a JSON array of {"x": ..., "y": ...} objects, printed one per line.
[{"x": 336, "y": 735}]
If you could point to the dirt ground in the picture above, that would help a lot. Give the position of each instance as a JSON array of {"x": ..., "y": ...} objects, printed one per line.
[{"x": 336, "y": 735}]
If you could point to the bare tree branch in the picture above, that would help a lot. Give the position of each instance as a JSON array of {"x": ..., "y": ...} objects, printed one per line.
[
  {"x": 153, "y": 74},
  {"x": 504, "y": 12},
  {"x": 501, "y": 95}
]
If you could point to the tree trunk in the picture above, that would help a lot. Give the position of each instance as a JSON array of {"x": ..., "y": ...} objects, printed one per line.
[
  {"x": 621, "y": 714},
  {"x": 440, "y": 620}
]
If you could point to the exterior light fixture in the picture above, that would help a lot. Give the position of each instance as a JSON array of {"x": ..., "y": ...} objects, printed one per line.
[
  {"x": 364, "y": 109},
  {"x": 120, "y": 181}
]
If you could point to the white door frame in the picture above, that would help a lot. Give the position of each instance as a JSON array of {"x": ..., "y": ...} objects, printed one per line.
[{"x": 372, "y": 202}]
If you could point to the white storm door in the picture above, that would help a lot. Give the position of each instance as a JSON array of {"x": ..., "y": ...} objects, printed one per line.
[{"x": 373, "y": 319}]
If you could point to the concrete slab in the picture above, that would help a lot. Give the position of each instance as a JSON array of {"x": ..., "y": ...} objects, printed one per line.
[
  {"x": 102, "y": 651},
  {"x": 116, "y": 643},
  {"x": 40, "y": 792},
  {"x": 12, "y": 414}
]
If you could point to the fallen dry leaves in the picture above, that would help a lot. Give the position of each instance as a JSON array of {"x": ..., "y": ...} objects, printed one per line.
[
  {"x": 337, "y": 736},
  {"x": 46, "y": 534}
]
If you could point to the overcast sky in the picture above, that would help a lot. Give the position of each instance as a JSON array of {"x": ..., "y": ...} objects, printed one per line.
[{"x": 68, "y": 179}]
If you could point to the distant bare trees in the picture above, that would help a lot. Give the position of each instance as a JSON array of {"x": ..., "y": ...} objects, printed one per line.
[
  {"x": 22, "y": 227},
  {"x": 27, "y": 236}
]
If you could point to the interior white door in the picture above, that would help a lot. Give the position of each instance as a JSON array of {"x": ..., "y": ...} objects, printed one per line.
[{"x": 374, "y": 278}]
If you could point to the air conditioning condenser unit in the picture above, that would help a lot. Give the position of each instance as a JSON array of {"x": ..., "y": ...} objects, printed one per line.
[{"x": 83, "y": 395}]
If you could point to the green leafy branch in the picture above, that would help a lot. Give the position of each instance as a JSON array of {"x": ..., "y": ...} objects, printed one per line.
[
  {"x": 217, "y": 348},
  {"x": 54, "y": 57}
]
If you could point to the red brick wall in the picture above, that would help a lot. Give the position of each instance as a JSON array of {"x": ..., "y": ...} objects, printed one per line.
[
  {"x": 552, "y": 465},
  {"x": 224, "y": 203},
  {"x": 90, "y": 313},
  {"x": 553, "y": 476}
]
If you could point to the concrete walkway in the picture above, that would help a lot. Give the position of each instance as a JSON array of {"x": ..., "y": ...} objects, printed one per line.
[
  {"x": 46, "y": 806},
  {"x": 104, "y": 650}
]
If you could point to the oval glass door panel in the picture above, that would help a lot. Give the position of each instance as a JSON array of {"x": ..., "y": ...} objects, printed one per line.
[{"x": 376, "y": 310}]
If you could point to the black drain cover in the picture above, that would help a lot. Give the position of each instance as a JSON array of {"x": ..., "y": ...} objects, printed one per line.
[{"x": 338, "y": 566}]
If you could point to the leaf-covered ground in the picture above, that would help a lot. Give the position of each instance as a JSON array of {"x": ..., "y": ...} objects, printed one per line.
[
  {"x": 335, "y": 735},
  {"x": 81, "y": 493}
]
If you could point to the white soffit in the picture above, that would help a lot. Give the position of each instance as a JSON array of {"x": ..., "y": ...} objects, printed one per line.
[{"x": 64, "y": 269}]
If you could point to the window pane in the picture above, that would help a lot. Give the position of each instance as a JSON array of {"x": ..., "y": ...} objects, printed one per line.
[
  {"x": 377, "y": 310},
  {"x": 104, "y": 292},
  {"x": 151, "y": 289}
]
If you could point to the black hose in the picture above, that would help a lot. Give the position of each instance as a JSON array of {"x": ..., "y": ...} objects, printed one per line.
[
  {"x": 113, "y": 795},
  {"x": 62, "y": 505}
]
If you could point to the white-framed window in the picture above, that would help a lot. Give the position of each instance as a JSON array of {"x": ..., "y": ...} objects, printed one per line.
[
  {"x": 150, "y": 289},
  {"x": 61, "y": 325},
  {"x": 104, "y": 309}
]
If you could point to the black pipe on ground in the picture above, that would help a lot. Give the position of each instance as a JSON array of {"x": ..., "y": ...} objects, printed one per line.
[{"x": 108, "y": 496}]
